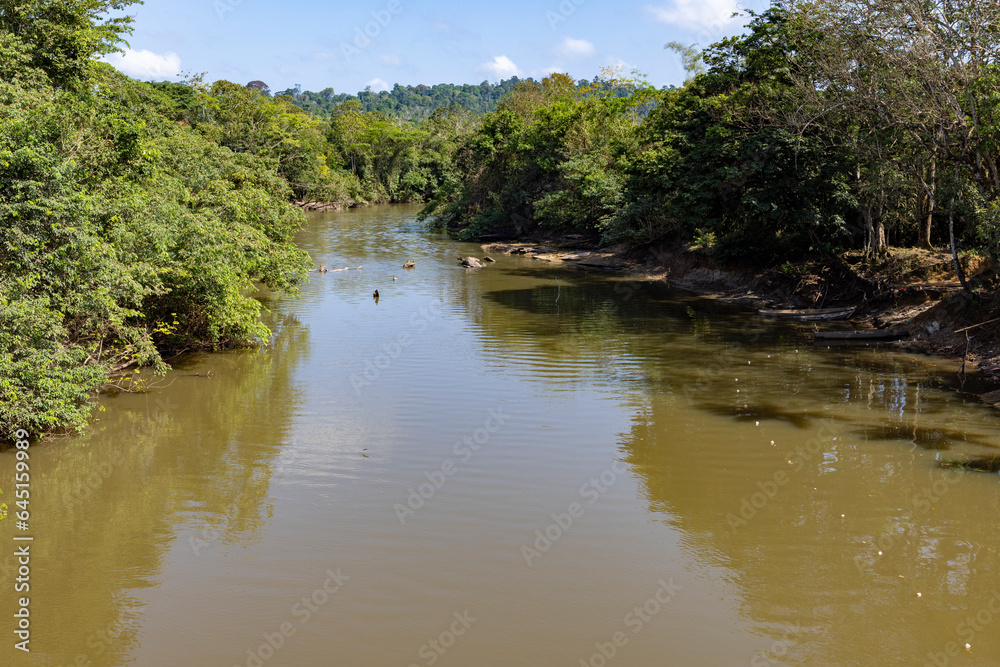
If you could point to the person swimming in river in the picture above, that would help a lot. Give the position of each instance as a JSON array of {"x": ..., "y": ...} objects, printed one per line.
[{"x": 375, "y": 295}]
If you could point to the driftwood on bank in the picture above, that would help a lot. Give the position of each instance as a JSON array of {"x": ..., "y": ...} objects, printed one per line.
[
  {"x": 312, "y": 205},
  {"x": 865, "y": 334},
  {"x": 809, "y": 314}
]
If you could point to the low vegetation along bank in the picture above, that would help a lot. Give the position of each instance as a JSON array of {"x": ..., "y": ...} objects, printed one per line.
[{"x": 136, "y": 216}]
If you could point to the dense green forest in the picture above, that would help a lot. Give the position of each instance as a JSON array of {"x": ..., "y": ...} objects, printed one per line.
[
  {"x": 418, "y": 103},
  {"x": 828, "y": 125},
  {"x": 413, "y": 103},
  {"x": 138, "y": 216},
  {"x": 127, "y": 234}
]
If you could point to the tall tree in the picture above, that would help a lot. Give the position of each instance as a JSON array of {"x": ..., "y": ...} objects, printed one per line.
[
  {"x": 921, "y": 74},
  {"x": 63, "y": 36}
]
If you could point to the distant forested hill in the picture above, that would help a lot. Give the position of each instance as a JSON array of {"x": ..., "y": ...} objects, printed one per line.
[
  {"x": 418, "y": 103},
  {"x": 409, "y": 102}
]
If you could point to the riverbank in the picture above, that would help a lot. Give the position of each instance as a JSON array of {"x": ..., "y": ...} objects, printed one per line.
[
  {"x": 908, "y": 288},
  {"x": 315, "y": 205}
]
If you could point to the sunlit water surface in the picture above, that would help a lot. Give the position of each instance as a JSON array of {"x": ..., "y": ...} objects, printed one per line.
[{"x": 523, "y": 465}]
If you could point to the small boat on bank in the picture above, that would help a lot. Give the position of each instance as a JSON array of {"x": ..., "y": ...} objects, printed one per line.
[
  {"x": 864, "y": 334},
  {"x": 809, "y": 314}
]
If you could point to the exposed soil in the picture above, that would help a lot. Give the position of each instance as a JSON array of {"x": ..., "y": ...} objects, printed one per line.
[{"x": 907, "y": 288}]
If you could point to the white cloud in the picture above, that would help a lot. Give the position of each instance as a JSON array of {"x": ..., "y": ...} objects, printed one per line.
[
  {"x": 145, "y": 64},
  {"x": 622, "y": 66},
  {"x": 390, "y": 59},
  {"x": 574, "y": 49},
  {"x": 714, "y": 15},
  {"x": 378, "y": 85},
  {"x": 500, "y": 67}
]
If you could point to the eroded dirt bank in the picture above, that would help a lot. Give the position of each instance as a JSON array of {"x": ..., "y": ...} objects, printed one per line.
[{"x": 907, "y": 289}]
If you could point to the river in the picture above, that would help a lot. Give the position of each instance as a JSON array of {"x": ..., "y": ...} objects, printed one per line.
[{"x": 522, "y": 465}]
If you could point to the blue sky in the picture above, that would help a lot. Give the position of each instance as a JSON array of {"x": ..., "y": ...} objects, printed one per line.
[{"x": 350, "y": 45}]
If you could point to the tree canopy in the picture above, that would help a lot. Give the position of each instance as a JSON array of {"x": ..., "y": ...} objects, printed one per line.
[
  {"x": 138, "y": 216},
  {"x": 827, "y": 125},
  {"x": 62, "y": 37}
]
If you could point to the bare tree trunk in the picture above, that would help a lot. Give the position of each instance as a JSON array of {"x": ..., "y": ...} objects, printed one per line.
[
  {"x": 924, "y": 231},
  {"x": 866, "y": 216},
  {"x": 874, "y": 227},
  {"x": 874, "y": 231},
  {"x": 991, "y": 163},
  {"x": 880, "y": 244},
  {"x": 954, "y": 248}
]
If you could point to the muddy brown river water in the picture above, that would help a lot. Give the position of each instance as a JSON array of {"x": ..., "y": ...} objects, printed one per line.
[{"x": 523, "y": 465}]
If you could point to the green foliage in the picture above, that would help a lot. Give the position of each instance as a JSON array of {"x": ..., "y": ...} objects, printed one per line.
[
  {"x": 246, "y": 121},
  {"x": 716, "y": 162},
  {"x": 44, "y": 385},
  {"x": 129, "y": 234},
  {"x": 415, "y": 104},
  {"x": 409, "y": 103},
  {"x": 703, "y": 162},
  {"x": 703, "y": 240},
  {"x": 63, "y": 36},
  {"x": 588, "y": 196},
  {"x": 137, "y": 217},
  {"x": 393, "y": 161},
  {"x": 828, "y": 124},
  {"x": 545, "y": 157}
]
